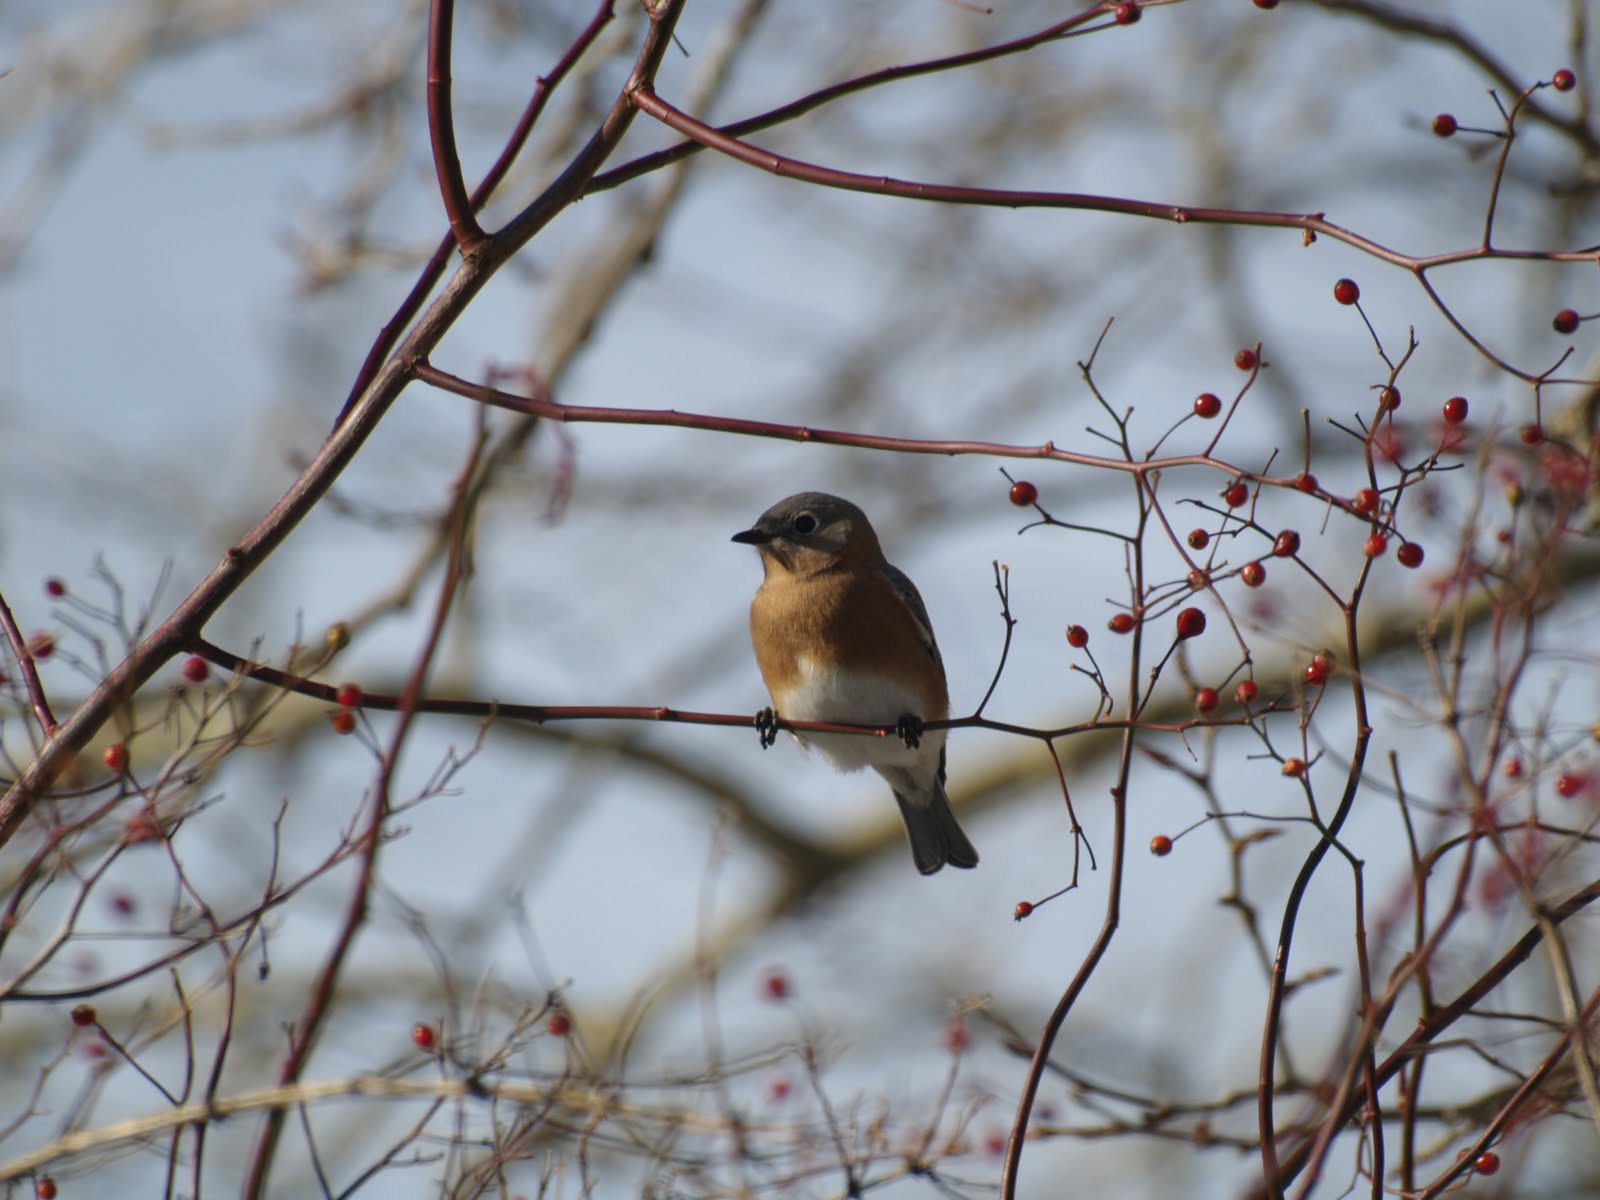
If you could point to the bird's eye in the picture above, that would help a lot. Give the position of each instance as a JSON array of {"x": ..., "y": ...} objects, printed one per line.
[{"x": 804, "y": 524}]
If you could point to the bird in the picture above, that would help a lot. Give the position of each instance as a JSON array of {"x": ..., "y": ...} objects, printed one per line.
[{"x": 842, "y": 637}]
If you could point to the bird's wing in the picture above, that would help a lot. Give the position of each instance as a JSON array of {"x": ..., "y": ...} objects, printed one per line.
[{"x": 907, "y": 591}]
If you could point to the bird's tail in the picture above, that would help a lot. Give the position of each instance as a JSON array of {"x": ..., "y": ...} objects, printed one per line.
[{"x": 936, "y": 836}]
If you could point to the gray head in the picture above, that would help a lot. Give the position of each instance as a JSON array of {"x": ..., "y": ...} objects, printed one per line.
[{"x": 811, "y": 531}]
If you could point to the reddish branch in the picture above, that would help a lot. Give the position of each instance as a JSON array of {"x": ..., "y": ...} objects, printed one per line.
[
  {"x": 544, "y": 406},
  {"x": 1439, "y": 31},
  {"x": 458, "y": 205},
  {"x": 186, "y": 621},
  {"x": 645, "y": 164},
  {"x": 319, "y": 1003},
  {"x": 433, "y": 271},
  {"x": 540, "y": 714},
  {"x": 1445, "y": 34},
  {"x": 1182, "y": 214},
  {"x": 1435, "y": 1024},
  {"x": 1119, "y": 829},
  {"x": 23, "y": 654},
  {"x": 1313, "y": 224},
  {"x": 1277, "y": 992}
]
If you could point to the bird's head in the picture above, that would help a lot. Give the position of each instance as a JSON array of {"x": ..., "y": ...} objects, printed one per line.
[{"x": 811, "y": 532}]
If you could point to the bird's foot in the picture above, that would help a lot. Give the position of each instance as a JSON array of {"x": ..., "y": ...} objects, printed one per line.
[
  {"x": 767, "y": 727},
  {"x": 909, "y": 727}
]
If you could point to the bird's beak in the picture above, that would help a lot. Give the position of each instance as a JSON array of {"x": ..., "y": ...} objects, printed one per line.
[{"x": 753, "y": 537}]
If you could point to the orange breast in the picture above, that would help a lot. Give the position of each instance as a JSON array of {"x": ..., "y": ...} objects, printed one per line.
[{"x": 850, "y": 619}]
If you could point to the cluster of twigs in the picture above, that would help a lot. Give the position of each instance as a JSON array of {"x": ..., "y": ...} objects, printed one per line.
[{"x": 505, "y": 1084}]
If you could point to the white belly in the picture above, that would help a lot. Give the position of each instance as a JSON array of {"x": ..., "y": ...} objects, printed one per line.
[{"x": 827, "y": 693}]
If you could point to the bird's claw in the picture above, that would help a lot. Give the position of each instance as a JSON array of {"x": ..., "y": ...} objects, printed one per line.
[
  {"x": 767, "y": 727},
  {"x": 909, "y": 727}
]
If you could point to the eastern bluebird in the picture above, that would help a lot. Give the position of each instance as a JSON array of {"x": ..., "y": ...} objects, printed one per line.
[{"x": 842, "y": 637}]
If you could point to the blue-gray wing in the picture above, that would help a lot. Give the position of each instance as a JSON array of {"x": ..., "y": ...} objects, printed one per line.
[{"x": 907, "y": 591}]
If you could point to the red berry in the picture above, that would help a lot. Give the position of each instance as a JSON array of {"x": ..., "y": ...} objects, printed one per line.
[
  {"x": 83, "y": 1015},
  {"x": 1563, "y": 81},
  {"x": 42, "y": 645},
  {"x": 1198, "y": 579},
  {"x": 778, "y": 1089},
  {"x": 1346, "y": 291},
  {"x": 1236, "y": 495},
  {"x": 1253, "y": 574},
  {"x": 195, "y": 669},
  {"x": 1306, "y": 481},
  {"x": 1531, "y": 434},
  {"x": 1161, "y": 845},
  {"x": 1455, "y": 410},
  {"x": 1120, "y": 623},
  {"x": 1389, "y": 398},
  {"x": 1198, "y": 539},
  {"x": 1286, "y": 544},
  {"x": 140, "y": 829},
  {"x": 1325, "y": 661},
  {"x": 1444, "y": 125},
  {"x": 1315, "y": 675},
  {"x": 1245, "y": 360},
  {"x": 1376, "y": 545},
  {"x": 1566, "y": 320},
  {"x": 1568, "y": 786},
  {"x": 1023, "y": 493},
  {"x": 1488, "y": 1163},
  {"x": 558, "y": 1023},
  {"x": 775, "y": 985},
  {"x": 1191, "y": 623},
  {"x": 1513, "y": 768},
  {"x": 343, "y": 722},
  {"x": 1205, "y": 699},
  {"x": 115, "y": 756},
  {"x": 1023, "y": 910},
  {"x": 1077, "y": 636},
  {"x": 44, "y": 1188},
  {"x": 1246, "y": 692},
  {"x": 54, "y": 588},
  {"x": 994, "y": 1144},
  {"x": 423, "y": 1036},
  {"x": 1127, "y": 12},
  {"x": 956, "y": 1036},
  {"x": 1365, "y": 501},
  {"x": 1207, "y": 405},
  {"x": 1294, "y": 767},
  {"x": 1409, "y": 554},
  {"x": 349, "y": 696},
  {"x": 1266, "y": 3}
]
